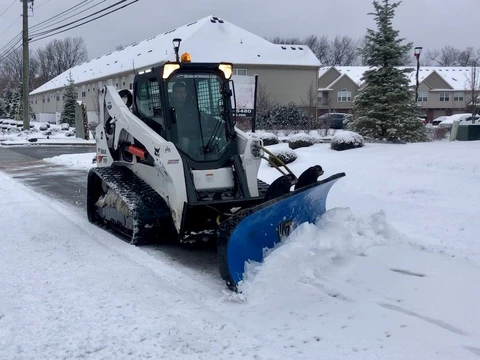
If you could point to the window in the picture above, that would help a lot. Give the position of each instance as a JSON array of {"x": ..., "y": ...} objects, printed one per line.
[
  {"x": 319, "y": 98},
  {"x": 149, "y": 105},
  {"x": 344, "y": 96},
  {"x": 241, "y": 72},
  {"x": 131, "y": 86},
  {"x": 458, "y": 96},
  {"x": 422, "y": 96},
  {"x": 444, "y": 96}
]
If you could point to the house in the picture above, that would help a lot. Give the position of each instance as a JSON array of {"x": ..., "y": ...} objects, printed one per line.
[
  {"x": 442, "y": 90},
  {"x": 287, "y": 72}
]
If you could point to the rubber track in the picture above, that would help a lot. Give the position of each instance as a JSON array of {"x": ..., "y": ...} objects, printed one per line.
[{"x": 151, "y": 215}]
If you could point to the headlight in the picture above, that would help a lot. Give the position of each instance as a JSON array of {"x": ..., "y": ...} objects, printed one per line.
[
  {"x": 227, "y": 70},
  {"x": 256, "y": 148},
  {"x": 168, "y": 69}
]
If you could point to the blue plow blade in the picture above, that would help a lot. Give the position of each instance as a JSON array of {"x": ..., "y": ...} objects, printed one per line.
[{"x": 246, "y": 235}]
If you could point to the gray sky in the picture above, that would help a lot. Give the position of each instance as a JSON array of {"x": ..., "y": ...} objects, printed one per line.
[{"x": 427, "y": 23}]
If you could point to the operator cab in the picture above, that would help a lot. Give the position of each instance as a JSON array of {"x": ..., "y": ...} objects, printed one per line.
[{"x": 189, "y": 104}]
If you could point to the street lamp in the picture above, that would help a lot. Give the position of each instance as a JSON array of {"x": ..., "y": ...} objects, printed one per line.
[{"x": 417, "y": 52}]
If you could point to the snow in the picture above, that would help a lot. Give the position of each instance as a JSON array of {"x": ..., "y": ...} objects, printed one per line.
[
  {"x": 206, "y": 40},
  {"x": 75, "y": 161},
  {"x": 10, "y": 134},
  {"x": 389, "y": 272},
  {"x": 455, "y": 76},
  {"x": 347, "y": 137}
]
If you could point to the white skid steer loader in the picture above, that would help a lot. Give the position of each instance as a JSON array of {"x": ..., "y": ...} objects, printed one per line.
[{"x": 171, "y": 165}]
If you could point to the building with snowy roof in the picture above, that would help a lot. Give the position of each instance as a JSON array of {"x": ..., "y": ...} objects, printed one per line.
[
  {"x": 442, "y": 90},
  {"x": 286, "y": 71}
]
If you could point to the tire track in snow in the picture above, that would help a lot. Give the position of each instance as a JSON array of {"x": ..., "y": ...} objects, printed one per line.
[{"x": 430, "y": 320}]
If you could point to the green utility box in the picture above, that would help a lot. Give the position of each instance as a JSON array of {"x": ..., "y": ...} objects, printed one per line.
[{"x": 468, "y": 132}]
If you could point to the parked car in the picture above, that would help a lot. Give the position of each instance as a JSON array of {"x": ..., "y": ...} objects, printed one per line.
[
  {"x": 334, "y": 120},
  {"x": 461, "y": 118},
  {"x": 438, "y": 120}
]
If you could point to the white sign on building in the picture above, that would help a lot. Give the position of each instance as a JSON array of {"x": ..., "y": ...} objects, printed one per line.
[{"x": 244, "y": 94}]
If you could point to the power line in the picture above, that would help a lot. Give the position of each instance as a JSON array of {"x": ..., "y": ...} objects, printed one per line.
[
  {"x": 63, "y": 13},
  {"x": 12, "y": 50},
  {"x": 45, "y": 25},
  {"x": 46, "y": 2},
  {"x": 11, "y": 25},
  {"x": 14, "y": 1},
  {"x": 85, "y": 17}
]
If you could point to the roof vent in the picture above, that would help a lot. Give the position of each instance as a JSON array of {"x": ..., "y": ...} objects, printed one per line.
[
  {"x": 454, "y": 79},
  {"x": 301, "y": 48},
  {"x": 293, "y": 48},
  {"x": 215, "y": 18},
  {"x": 139, "y": 54},
  {"x": 213, "y": 21},
  {"x": 221, "y": 21},
  {"x": 150, "y": 51},
  {"x": 284, "y": 47}
]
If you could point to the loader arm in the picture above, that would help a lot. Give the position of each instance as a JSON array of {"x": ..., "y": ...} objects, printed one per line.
[{"x": 160, "y": 163}]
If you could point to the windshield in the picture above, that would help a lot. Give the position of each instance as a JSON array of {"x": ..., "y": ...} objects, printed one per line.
[{"x": 198, "y": 106}]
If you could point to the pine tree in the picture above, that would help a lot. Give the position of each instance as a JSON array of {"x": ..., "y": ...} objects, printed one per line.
[
  {"x": 70, "y": 93},
  {"x": 3, "y": 114},
  {"x": 385, "y": 109}
]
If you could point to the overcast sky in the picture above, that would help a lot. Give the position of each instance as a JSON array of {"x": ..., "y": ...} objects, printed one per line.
[{"x": 427, "y": 23}]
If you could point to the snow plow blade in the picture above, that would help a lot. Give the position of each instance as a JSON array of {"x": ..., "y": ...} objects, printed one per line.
[{"x": 246, "y": 235}]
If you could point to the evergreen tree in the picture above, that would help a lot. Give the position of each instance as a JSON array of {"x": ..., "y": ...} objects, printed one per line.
[
  {"x": 283, "y": 117},
  {"x": 3, "y": 114},
  {"x": 70, "y": 94},
  {"x": 385, "y": 109}
]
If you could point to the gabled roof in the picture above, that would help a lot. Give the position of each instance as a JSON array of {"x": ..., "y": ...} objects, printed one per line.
[
  {"x": 210, "y": 39},
  {"x": 456, "y": 76}
]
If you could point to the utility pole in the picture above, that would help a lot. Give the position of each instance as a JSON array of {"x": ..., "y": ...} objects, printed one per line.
[{"x": 26, "y": 105}]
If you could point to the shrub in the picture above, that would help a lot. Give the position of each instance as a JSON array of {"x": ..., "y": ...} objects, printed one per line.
[
  {"x": 302, "y": 140},
  {"x": 286, "y": 155},
  {"x": 346, "y": 140},
  {"x": 269, "y": 139},
  {"x": 439, "y": 133},
  {"x": 288, "y": 116}
]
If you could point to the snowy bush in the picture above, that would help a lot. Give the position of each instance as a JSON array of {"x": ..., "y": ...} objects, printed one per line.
[
  {"x": 345, "y": 140},
  {"x": 286, "y": 155},
  {"x": 302, "y": 140},
  {"x": 64, "y": 126},
  {"x": 269, "y": 139},
  {"x": 283, "y": 117},
  {"x": 43, "y": 127}
]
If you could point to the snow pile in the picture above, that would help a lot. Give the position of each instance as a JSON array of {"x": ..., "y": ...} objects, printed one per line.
[
  {"x": 76, "y": 161},
  {"x": 305, "y": 256}
]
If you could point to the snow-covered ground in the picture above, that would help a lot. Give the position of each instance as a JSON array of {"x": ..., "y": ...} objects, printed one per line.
[
  {"x": 40, "y": 133},
  {"x": 390, "y": 272}
]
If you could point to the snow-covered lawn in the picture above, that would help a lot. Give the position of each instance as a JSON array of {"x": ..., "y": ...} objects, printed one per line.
[
  {"x": 390, "y": 272},
  {"x": 10, "y": 134}
]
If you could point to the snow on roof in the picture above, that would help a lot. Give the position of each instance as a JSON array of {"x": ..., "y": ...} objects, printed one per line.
[
  {"x": 210, "y": 39},
  {"x": 456, "y": 77}
]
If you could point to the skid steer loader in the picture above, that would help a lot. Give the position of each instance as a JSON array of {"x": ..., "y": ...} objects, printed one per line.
[{"x": 171, "y": 165}]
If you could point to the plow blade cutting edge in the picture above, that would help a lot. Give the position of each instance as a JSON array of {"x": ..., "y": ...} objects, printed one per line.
[{"x": 246, "y": 235}]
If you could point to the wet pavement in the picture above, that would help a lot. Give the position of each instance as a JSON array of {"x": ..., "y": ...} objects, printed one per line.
[{"x": 25, "y": 164}]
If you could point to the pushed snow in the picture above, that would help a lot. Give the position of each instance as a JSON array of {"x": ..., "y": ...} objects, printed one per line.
[
  {"x": 389, "y": 272},
  {"x": 76, "y": 161},
  {"x": 305, "y": 256}
]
